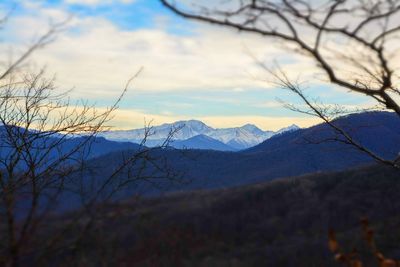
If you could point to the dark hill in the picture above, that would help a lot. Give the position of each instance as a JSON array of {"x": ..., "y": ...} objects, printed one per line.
[
  {"x": 201, "y": 142},
  {"x": 376, "y": 130},
  {"x": 279, "y": 223},
  {"x": 57, "y": 144}
]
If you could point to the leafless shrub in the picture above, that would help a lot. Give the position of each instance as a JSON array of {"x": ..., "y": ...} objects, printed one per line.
[{"x": 45, "y": 140}]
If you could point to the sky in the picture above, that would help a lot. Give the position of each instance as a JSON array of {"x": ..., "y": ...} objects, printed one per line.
[{"x": 190, "y": 70}]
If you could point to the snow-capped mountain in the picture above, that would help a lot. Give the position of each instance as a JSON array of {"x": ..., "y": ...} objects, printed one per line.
[
  {"x": 241, "y": 137},
  {"x": 290, "y": 128},
  {"x": 182, "y": 130},
  {"x": 237, "y": 138}
]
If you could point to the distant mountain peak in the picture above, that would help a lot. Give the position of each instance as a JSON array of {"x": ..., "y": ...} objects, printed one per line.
[
  {"x": 193, "y": 124},
  {"x": 238, "y": 138},
  {"x": 196, "y": 123},
  {"x": 249, "y": 126},
  {"x": 189, "y": 122},
  {"x": 202, "y": 141},
  {"x": 292, "y": 127}
]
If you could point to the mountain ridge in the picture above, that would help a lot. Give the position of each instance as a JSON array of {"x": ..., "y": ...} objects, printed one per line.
[
  {"x": 201, "y": 141},
  {"x": 287, "y": 154},
  {"x": 237, "y": 138}
]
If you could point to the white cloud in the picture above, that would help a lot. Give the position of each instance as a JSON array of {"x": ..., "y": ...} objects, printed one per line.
[
  {"x": 131, "y": 118},
  {"x": 96, "y": 58},
  {"x": 270, "y": 104},
  {"x": 101, "y": 57}
]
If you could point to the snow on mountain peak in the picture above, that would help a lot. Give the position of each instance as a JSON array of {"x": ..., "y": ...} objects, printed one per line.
[
  {"x": 250, "y": 127},
  {"x": 193, "y": 124},
  {"x": 292, "y": 127},
  {"x": 238, "y": 137}
]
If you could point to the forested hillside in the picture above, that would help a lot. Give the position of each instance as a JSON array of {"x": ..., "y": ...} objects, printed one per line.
[{"x": 278, "y": 223}]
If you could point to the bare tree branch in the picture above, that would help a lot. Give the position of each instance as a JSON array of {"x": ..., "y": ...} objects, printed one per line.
[{"x": 352, "y": 42}]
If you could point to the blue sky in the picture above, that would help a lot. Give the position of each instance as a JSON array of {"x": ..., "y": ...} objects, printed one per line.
[
  {"x": 129, "y": 15},
  {"x": 191, "y": 70}
]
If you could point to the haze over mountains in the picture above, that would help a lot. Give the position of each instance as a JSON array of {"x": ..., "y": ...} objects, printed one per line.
[
  {"x": 292, "y": 153},
  {"x": 247, "y": 210},
  {"x": 197, "y": 135}
]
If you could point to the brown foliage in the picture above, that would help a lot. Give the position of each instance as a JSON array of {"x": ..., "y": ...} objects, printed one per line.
[{"x": 353, "y": 259}]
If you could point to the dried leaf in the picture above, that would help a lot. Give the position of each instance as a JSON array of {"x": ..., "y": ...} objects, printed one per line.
[
  {"x": 356, "y": 263},
  {"x": 364, "y": 221},
  {"x": 388, "y": 263},
  {"x": 369, "y": 235},
  {"x": 380, "y": 256},
  {"x": 332, "y": 243},
  {"x": 340, "y": 257}
]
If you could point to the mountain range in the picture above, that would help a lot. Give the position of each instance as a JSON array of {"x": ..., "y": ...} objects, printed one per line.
[
  {"x": 194, "y": 134},
  {"x": 292, "y": 153},
  {"x": 279, "y": 223}
]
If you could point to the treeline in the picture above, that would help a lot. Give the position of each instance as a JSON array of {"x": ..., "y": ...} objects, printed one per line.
[{"x": 279, "y": 223}]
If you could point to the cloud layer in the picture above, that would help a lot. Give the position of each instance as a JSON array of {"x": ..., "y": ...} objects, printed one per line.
[{"x": 96, "y": 57}]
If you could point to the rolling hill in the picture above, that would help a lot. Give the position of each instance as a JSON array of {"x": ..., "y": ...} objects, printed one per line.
[
  {"x": 201, "y": 141},
  {"x": 279, "y": 223}
]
